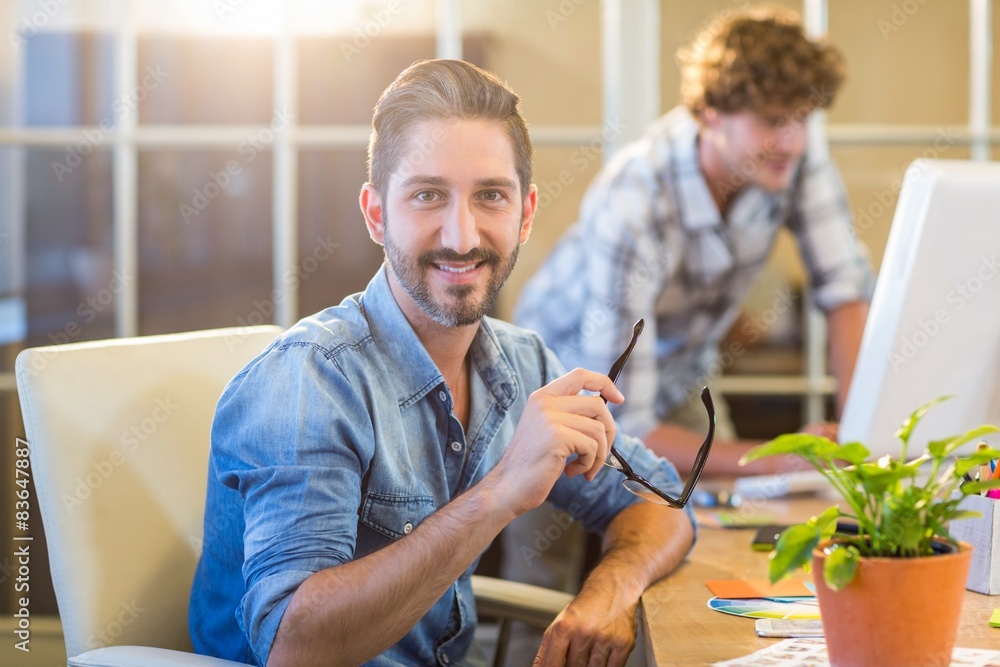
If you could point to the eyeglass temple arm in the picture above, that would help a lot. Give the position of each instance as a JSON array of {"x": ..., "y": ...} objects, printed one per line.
[
  {"x": 616, "y": 369},
  {"x": 706, "y": 445},
  {"x": 703, "y": 452}
]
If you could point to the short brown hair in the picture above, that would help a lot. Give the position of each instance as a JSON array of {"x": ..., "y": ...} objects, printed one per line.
[
  {"x": 755, "y": 59},
  {"x": 443, "y": 89}
]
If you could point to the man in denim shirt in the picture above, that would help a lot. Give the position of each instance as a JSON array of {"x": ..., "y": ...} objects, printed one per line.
[{"x": 362, "y": 463}]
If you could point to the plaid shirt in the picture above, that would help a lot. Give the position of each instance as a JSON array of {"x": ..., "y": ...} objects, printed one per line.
[{"x": 651, "y": 243}]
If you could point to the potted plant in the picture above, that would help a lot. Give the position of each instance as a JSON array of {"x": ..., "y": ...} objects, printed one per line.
[{"x": 891, "y": 592}]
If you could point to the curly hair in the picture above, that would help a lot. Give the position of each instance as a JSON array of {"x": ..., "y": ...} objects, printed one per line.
[{"x": 756, "y": 60}]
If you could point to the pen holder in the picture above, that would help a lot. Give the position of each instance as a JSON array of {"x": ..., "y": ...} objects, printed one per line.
[{"x": 983, "y": 533}]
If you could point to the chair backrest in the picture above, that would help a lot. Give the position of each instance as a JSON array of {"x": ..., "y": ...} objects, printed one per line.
[{"x": 118, "y": 432}]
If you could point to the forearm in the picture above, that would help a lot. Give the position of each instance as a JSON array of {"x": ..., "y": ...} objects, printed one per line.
[
  {"x": 641, "y": 544},
  {"x": 644, "y": 543},
  {"x": 845, "y": 327},
  {"x": 331, "y": 616}
]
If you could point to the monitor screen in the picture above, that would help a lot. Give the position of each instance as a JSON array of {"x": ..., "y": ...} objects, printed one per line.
[{"x": 934, "y": 324}]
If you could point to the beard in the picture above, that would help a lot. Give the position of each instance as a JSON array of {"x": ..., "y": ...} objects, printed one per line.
[{"x": 462, "y": 307}]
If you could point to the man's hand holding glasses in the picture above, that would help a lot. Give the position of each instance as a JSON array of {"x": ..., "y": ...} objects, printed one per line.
[{"x": 639, "y": 485}]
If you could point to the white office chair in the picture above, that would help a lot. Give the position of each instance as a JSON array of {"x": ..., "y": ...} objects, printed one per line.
[{"x": 119, "y": 437}]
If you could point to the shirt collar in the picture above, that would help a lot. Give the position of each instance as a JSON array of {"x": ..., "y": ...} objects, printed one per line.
[
  {"x": 697, "y": 207},
  {"x": 414, "y": 371}
]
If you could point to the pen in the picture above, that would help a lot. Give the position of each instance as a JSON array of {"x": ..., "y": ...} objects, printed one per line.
[{"x": 985, "y": 472}]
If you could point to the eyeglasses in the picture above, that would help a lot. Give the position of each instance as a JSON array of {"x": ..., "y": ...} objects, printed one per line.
[{"x": 635, "y": 482}]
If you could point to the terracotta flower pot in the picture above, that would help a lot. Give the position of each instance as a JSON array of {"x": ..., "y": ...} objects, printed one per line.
[{"x": 897, "y": 612}]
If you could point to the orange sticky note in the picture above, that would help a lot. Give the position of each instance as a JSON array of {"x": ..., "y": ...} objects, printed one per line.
[{"x": 758, "y": 588}]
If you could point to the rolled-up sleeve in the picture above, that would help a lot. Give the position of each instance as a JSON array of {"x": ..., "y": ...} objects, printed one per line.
[
  {"x": 596, "y": 503},
  {"x": 292, "y": 438}
]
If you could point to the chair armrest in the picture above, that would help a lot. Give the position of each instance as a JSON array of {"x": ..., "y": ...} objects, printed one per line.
[
  {"x": 145, "y": 656},
  {"x": 533, "y": 605}
]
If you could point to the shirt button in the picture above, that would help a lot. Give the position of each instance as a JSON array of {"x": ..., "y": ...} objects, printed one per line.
[
  {"x": 408, "y": 528},
  {"x": 456, "y": 446},
  {"x": 443, "y": 396},
  {"x": 444, "y": 658}
]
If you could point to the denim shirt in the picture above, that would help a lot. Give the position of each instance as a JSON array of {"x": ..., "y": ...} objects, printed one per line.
[{"x": 338, "y": 440}]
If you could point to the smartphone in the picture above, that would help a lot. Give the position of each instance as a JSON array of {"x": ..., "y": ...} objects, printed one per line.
[
  {"x": 788, "y": 627},
  {"x": 766, "y": 537}
]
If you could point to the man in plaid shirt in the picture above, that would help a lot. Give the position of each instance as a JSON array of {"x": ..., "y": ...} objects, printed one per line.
[
  {"x": 675, "y": 230},
  {"x": 679, "y": 224}
]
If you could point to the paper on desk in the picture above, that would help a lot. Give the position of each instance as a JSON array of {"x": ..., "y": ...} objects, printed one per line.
[
  {"x": 812, "y": 652},
  {"x": 759, "y": 588}
]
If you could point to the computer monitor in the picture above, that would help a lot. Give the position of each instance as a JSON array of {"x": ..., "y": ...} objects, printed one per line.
[{"x": 934, "y": 323}]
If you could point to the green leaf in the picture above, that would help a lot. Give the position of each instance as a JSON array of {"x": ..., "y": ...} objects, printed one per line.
[
  {"x": 826, "y": 522},
  {"x": 876, "y": 480},
  {"x": 792, "y": 550},
  {"x": 853, "y": 452},
  {"x": 840, "y": 565},
  {"x": 915, "y": 465},
  {"x": 942, "y": 448},
  {"x": 902, "y": 525},
  {"x": 973, "y": 488},
  {"x": 965, "y": 514},
  {"x": 970, "y": 461},
  {"x": 936, "y": 447},
  {"x": 801, "y": 444},
  {"x": 906, "y": 428},
  {"x": 939, "y": 529}
]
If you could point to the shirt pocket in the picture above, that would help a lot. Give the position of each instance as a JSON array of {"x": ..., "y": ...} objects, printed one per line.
[{"x": 394, "y": 515}]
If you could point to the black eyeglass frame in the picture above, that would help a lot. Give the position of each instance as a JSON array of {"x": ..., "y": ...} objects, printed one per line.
[{"x": 616, "y": 461}]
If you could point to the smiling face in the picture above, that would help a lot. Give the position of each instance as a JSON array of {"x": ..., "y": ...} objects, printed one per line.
[
  {"x": 452, "y": 220},
  {"x": 762, "y": 149}
]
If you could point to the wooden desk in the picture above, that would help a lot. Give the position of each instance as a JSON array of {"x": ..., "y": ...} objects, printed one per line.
[{"x": 680, "y": 629}]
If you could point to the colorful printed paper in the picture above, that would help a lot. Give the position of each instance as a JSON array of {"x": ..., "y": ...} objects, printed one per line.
[{"x": 767, "y": 608}]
